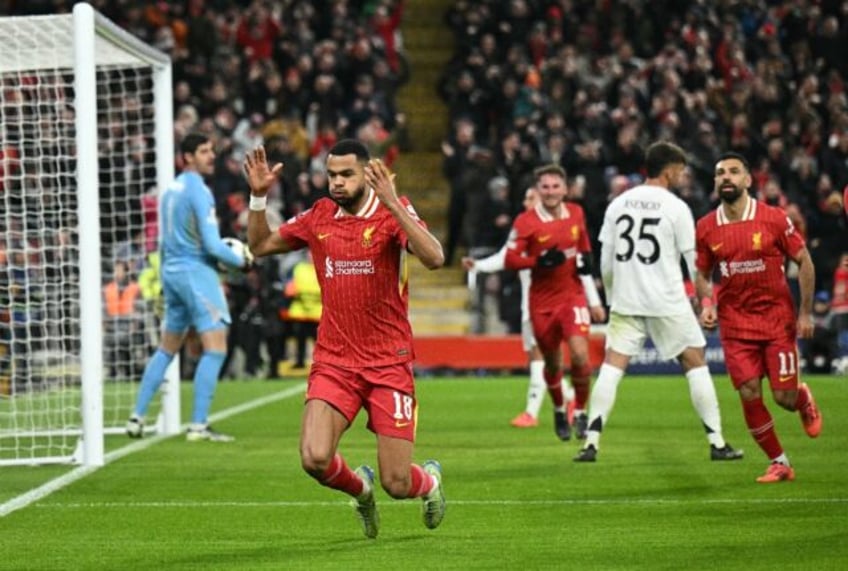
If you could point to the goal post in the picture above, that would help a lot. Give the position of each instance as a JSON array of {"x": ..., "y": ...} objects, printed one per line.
[{"x": 86, "y": 141}]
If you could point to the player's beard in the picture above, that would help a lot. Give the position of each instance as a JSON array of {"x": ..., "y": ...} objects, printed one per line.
[
  {"x": 348, "y": 201},
  {"x": 729, "y": 196}
]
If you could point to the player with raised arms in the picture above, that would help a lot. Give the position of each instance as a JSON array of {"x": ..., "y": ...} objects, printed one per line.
[{"x": 359, "y": 238}]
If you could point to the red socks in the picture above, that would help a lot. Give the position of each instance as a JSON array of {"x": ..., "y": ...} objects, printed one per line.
[
  {"x": 580, "y": 380},
  {"x": 422, "y": 482},
  {"x": 761, "y": 426},
  {"x": 339, "y": 476},
  {"x": 554, "y": 383}
]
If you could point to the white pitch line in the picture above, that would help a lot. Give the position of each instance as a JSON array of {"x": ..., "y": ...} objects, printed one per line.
[
  {"x": 499, "y": 503},
  {"x": 69, "y": 478}
]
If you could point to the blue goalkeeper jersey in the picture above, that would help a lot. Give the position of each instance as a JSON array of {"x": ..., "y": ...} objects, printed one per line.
[{"x": 188, "y": 226}]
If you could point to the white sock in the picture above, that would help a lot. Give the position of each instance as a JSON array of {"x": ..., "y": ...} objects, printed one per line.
[
  {"x": 602, "y": 401},
  {"x": 782, "y": 459},
  {"x": 536, "y": 389},
  {"x": 704, "y": 399}
]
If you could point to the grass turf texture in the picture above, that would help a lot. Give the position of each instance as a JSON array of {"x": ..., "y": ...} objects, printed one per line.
[{"x": 515, "y": 498}]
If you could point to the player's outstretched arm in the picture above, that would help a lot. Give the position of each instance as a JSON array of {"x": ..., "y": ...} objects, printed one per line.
[
  {"x": 422, "y": 243},
  {"x": 260, "y": 177}
]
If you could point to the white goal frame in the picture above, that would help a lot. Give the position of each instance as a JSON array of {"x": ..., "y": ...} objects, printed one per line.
[{"x": 100, "y": 44}]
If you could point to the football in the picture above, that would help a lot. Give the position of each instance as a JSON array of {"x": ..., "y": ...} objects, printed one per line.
[{"x": 239, "y": 248}]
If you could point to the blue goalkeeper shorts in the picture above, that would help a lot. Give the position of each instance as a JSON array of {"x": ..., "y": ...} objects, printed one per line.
[{"x": 194, "y": 298}]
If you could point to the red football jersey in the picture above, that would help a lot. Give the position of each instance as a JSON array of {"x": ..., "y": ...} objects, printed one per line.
[
  {"x": 754, "y": 301},
  {"x": 535, "y": 231},
  {"x": 361, "y": 266}
]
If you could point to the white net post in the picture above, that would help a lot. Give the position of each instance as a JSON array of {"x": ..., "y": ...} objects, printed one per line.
[
  {"x": 91, "y": 343},
  {"x": 85, "y": 143}
]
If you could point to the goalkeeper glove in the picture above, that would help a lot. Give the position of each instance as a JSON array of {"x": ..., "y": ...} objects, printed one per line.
[
  {"x": 248, "y": 258},
  {"x": 550, "y": 258}
]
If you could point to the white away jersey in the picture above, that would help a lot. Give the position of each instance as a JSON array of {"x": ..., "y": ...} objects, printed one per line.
[{"x": 646, "y": 229}]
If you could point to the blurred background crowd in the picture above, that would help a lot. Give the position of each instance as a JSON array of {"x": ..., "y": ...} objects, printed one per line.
[{"x": 583, "y": 83}]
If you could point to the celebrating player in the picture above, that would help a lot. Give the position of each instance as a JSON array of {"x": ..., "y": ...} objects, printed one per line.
[
  {"x": 645, "y": 232},
  {"x": 190, "y": 247},
  {"x": 359, "y": 239},
  {"x": 536, "y": 387},
  {"x": 748, "y": 242},
  {"x": 551, "y": 240}
]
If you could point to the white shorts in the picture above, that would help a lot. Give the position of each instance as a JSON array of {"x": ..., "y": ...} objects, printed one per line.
[
  {"x": 527, "y": 338},
  {"x": 671, "y": 334}
]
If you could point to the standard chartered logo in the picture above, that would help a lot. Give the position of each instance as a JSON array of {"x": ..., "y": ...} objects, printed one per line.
[{"x": 348, "y": 267}]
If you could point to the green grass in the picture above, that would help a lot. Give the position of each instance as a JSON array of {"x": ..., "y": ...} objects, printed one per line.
[{"x": 515, "y": 498}]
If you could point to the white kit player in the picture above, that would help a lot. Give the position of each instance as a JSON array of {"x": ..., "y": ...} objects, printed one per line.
[{"x": 646, "y": 231}]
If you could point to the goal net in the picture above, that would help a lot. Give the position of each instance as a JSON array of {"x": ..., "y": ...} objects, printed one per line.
[{"x": 85, "y": 142}]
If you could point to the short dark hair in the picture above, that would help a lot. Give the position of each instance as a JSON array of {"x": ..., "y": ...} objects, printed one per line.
[
  {"x": 549, "y": 169},
  {"x": 662, "y": 154},
  {"x": 351, "y": 147},
  {"x": 191, "y": 141},
  {"x": 734, "y": 155}
]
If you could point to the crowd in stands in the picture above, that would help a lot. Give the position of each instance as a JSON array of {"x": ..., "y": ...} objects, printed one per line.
[
  {"x": 294, "y": 75},
  {"x": 589, "y": 84},
  {"x": 586, "y": 84}
]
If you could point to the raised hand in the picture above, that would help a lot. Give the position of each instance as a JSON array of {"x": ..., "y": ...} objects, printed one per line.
[
  {"x": 259, "y": 176},
  {"x": 381, "y": 179}
]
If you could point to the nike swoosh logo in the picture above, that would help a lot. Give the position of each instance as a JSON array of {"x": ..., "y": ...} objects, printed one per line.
[
  {"x": 544, "y": 238},
  {"x": 322, "y": 236},
  {"x": 786, "y": 379},
  {"x": 716, "y": 247},
  {"x": 399, "y": 424}
]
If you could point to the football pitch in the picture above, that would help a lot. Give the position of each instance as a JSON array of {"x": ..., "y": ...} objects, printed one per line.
[{"x": 516, "y": 500}]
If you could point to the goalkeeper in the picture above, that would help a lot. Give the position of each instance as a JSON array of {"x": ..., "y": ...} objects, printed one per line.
[{"x": 190, "y": 248}]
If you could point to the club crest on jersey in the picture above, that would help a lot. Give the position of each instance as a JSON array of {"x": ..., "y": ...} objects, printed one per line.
[
  {"x": 367, "y": 235},
  {"x": 575, "y": 232},
  {"x": 757, "y": 241}
]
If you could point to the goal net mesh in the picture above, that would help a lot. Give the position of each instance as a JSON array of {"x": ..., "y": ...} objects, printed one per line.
[{"x": 40, "y": 327}]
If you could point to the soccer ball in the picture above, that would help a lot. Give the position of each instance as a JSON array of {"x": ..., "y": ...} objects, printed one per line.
[{"x": 239, "y": 248}]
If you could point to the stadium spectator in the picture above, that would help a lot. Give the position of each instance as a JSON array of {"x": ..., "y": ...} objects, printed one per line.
[
  {"x": 552, "y": 242},
  {"x": 123, "y": 324},
  {"x": 748, "y": 240},
  {"x": 646, "y": 231},
  {"x": 839, "y": 305},
  {"x": 819, "y": 352},
  {"x": 190, "y": 247},
  {"x": 304, "y": 310},
  {"x": 362, "y": 358}
]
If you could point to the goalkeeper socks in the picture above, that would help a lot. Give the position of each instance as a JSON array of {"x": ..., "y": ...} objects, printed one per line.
[
  {"x": 704, "y": 399},
  {"x": 422, "y": 483},
  {"x": 602, "y": 401},
  {"x": 536, "y": 388},
  {"x": 151, "y": 380},
  {"x": 761, "y": 426},
  {"x": 339, "y": 476},
  {"x": 205, "y": 381},
  {"x": 554, "y": 382}
]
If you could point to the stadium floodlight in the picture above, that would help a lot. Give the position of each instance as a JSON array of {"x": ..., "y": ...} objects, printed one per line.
[{"x": 86, "y": 141}]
